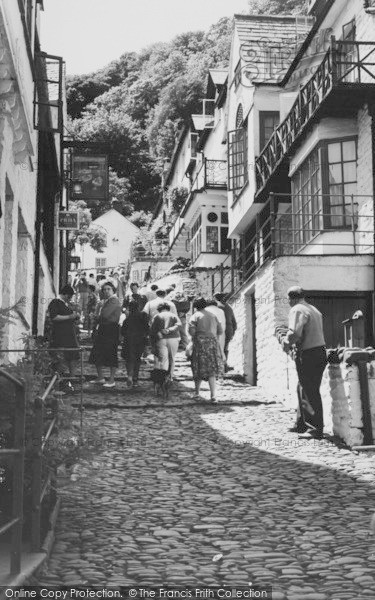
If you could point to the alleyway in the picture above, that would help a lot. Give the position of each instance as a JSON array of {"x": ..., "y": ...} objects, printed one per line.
[{"x": 191, "y": 494}]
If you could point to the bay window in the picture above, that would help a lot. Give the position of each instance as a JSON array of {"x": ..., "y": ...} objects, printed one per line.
[{"x": 323, "y": 189}]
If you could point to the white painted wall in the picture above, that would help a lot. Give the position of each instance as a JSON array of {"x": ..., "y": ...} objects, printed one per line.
[{"x": 116, "y": 227}]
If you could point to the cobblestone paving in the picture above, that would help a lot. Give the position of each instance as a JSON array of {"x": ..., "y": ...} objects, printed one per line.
[{"x": 190, "y": 494}]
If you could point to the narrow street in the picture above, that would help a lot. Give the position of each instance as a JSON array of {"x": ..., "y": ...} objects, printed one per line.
[{"x": 186, "y": 494}]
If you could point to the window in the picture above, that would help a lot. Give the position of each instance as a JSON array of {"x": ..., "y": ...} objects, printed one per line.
[
  {"x": 322, "y": 190},
  {"x": 100, "y": 262},
  {"x": 225, "y": 243},
  {"x": 268, "y": 122},
  {"x": 212, "y": 239},
  {"x": 237, "y": 159},
  {"x": 196, "y": 239},
  {"x": 307, "y": 190},
  {"x": 340, "y": 182},
  {"x": 348, "y": 54},
  {"x": 224, "y": 218}
]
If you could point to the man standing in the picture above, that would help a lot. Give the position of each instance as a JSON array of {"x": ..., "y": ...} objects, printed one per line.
[
  {"x": 182, "y": 305},
  {"x": 151, "y": 307},
  {"x": 305, "y": 332},
  {"x": 230, "y": 324}
]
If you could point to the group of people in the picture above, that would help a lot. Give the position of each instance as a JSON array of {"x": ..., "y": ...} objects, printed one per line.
[{"x": 157, "y": 318}]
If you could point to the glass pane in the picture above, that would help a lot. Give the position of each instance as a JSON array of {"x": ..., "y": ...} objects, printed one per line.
[
  {"x": 349, "y": 150},
  {"x": 225, "y": 243},
  {"x": 336, "y": 219},
  {"x": 334, "y": 153},
  {"x": 335, "y": 174},
  {"x": 212, "y": 239},
  {"x": 336, "y": 193},
  {"x": 350, "y": 188},
  {"x": 224, "y": 218},
  {"x": 350, "y": 171}
]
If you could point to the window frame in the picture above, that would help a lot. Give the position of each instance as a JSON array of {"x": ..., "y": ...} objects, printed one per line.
[
  {"x": 238, "y": 173},
  {"x": 263, "y": 114},
  {"x": 322, "y": 194}
]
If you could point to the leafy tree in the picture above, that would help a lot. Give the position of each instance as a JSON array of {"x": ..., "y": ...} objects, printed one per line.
[
  {"x": 277, "y": 7},
  {"x": 87, "y": 232}
]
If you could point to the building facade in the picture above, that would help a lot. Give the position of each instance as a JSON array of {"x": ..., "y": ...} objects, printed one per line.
[
  {"x": 31, "y": 117},
  {"x": 120, "y": 233},
  {"x": 301, "y": 97},
  {"x": 199, "y": 165}
]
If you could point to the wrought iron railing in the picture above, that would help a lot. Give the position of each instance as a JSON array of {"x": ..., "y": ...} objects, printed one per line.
[
  {"x": 346, "y": 62},
  {"x": 280, "y": 231},
  {"x": 216, "y": 175}
]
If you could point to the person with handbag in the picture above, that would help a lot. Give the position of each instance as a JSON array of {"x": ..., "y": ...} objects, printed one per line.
[{"x": 106, "y": 336}]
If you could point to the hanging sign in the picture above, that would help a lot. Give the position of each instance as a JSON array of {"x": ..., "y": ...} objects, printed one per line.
[
  {"x": 68, "y": 220},
  {"x": 90, "y": 177}
]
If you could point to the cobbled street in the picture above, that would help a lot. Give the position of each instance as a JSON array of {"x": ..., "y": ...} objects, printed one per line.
[{"x": 182, "y": 493}]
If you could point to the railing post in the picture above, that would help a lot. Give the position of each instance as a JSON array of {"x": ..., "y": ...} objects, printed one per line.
[
  {"x": 213, "y": 283},
  {"x": 272, "y": 224},
  {"x": 221, "y": 278},
  {"x": 334, "y": 56},
  {"x": 232, "y": 252},
  {"x": 257, "y": 240},
  {"x": 18, "y": 479},
  {"x": 37, "y": 474},
  {"x": 353, "y": 223}
]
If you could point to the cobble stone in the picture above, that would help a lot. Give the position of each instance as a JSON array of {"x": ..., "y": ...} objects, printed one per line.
[{"x": 175, "y": 492}]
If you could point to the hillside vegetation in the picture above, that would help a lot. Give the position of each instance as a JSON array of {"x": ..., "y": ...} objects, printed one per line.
[{"x": 134, "y": 107}]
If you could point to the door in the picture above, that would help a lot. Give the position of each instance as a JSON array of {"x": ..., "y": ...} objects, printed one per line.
[{"x": 338, "y": 306}]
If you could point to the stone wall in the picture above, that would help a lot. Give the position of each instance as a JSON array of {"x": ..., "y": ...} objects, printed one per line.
[{"x": 342, "y": 402}]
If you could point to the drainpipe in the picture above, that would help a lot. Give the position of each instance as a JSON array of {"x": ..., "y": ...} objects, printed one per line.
[
  {"x": 38, "y": 226},
  {"x": 371, "y": 110}
]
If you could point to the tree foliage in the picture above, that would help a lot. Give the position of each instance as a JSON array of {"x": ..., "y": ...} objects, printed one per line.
[
  {"x": 277, "y": 7},
  {"x": 87, "y": 232},
  {"x": 134, "y": 107}
]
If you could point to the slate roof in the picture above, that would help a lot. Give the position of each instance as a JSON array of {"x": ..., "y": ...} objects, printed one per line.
[{"x": 269, "y": 44}]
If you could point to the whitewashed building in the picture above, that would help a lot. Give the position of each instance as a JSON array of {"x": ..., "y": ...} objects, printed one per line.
[
  {"x": 301, "y": 139},
  {"x": 199, "y": 164},
  {"x": 120, "y": 233},
  {"x": 31, "y": 129}
]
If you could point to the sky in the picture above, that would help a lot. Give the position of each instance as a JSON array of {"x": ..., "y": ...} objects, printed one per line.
[{"x": 91, "y": 33}]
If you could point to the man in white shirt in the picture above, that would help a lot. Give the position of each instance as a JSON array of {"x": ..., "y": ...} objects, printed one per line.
[
  {"x": 305, "y": 333},
  {"x": 151, "y": 307}
]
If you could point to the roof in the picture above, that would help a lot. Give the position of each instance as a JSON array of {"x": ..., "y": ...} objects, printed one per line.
[
  {"x": 118, "y": 216},
  {"x": 269, "y": 44}
]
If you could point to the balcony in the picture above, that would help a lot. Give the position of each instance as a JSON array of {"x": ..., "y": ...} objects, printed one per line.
[
  {"x": 278, "y": 231},
  {"x": 342, "y": 82}
]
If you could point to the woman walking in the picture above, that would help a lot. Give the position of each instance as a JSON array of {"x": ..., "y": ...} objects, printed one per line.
[
  {"x": 106, "y": 336},
  {"x": 165, "y": 337},
  {"x": 134, "y": 330},
  {"x": 206, "y": 360}
]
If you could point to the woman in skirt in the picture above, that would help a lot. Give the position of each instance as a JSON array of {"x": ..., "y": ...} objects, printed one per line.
[
  {"x": 206, "y": 360},
  {"x": 106, "y": 336}
]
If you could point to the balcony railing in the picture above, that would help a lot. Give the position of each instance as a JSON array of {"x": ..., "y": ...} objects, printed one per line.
[
  {"x": 346, "y": 63},
  {"x": 216, "y": 175},
  {"x": 278, "y": 231}
]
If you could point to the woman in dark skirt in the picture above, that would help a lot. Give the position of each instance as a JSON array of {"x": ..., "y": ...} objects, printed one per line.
[
  {"x": 62, "y": 320},
  {"x": 106, "y": 336}
]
